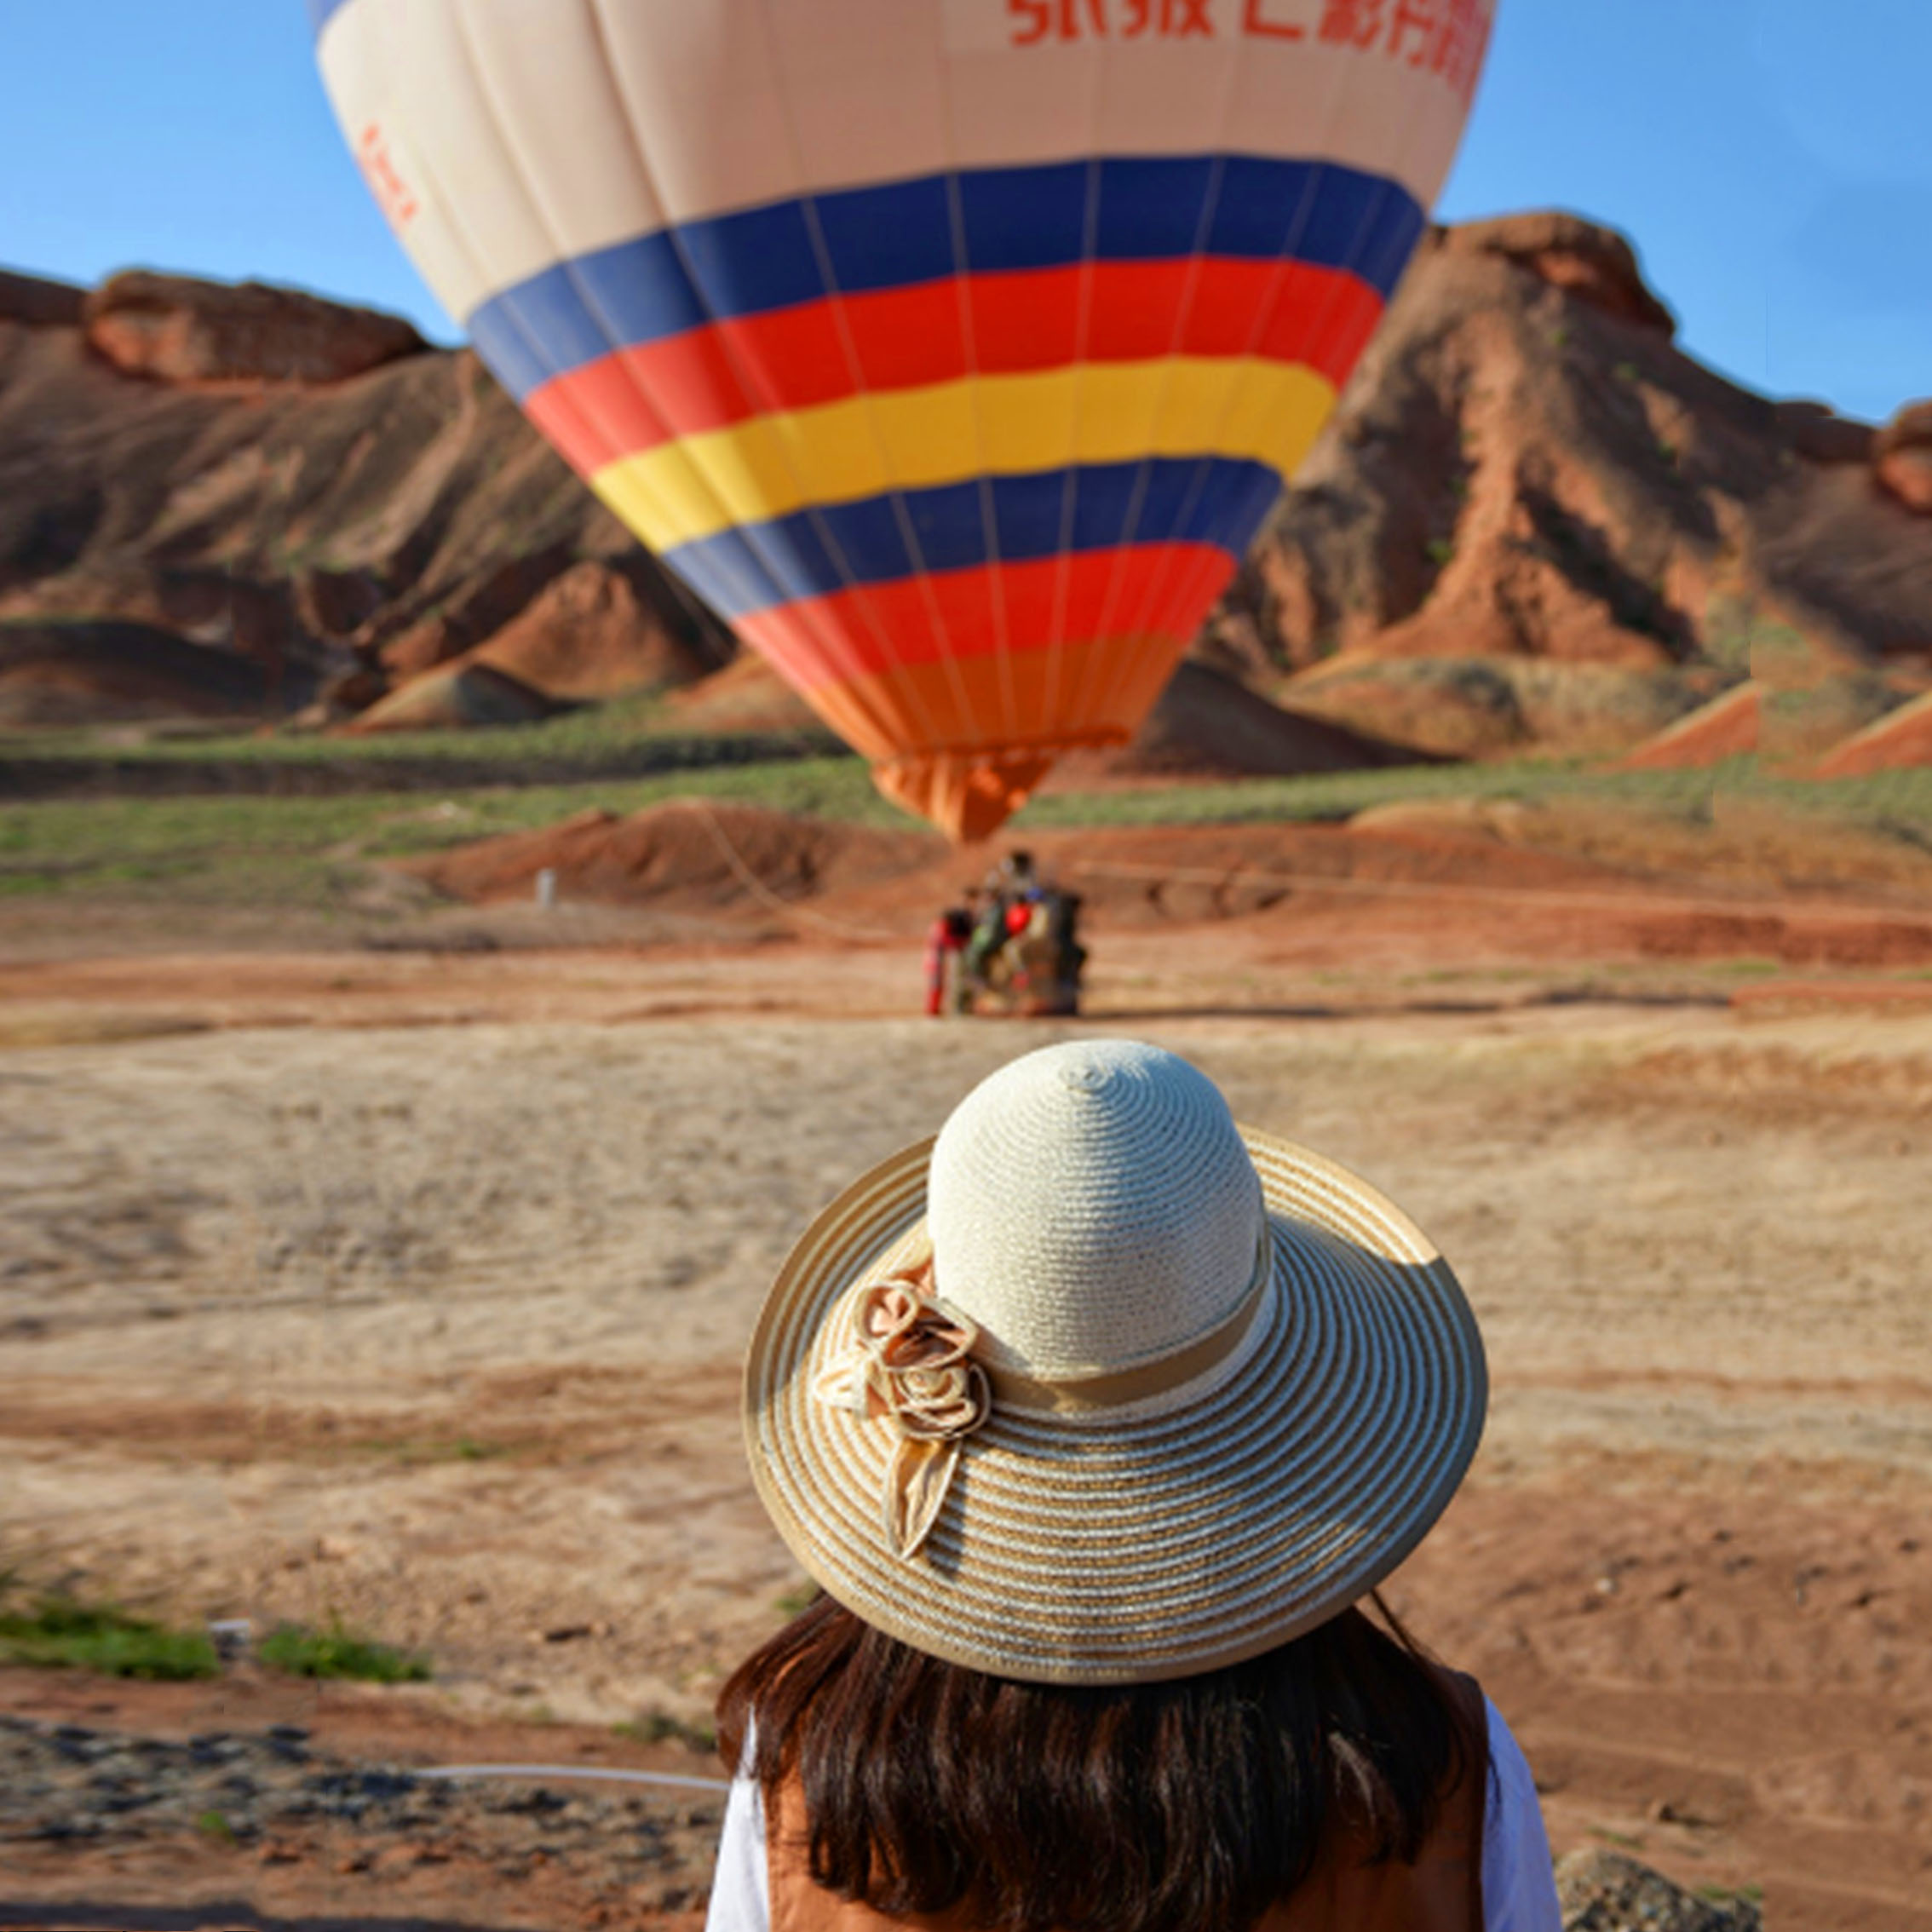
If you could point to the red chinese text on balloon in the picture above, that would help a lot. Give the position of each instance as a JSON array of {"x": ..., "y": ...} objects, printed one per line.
[
  {"x": 1038, "y": 20},
  {"x": 1262, "y": 21},
  {"x": 1445, "y": 36},
  {"x": 379, "y": 169}
]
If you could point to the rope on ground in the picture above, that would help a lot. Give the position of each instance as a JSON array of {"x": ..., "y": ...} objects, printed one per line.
[
  {"x": 605, "y": 1774},
  {"x": 764, "y": 895}
]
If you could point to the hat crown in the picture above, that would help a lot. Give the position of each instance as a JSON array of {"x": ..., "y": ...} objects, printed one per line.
[{"x": 1093, "y": 1208}]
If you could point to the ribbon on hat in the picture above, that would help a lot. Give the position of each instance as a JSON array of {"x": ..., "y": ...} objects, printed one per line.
[{"x": 904, "y": 1359}]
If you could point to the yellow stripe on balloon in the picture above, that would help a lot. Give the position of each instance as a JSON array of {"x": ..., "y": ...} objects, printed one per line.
[{"x": 1236, "y": 406}]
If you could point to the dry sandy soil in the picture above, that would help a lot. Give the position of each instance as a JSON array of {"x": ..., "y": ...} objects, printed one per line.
[{"x": 408, "y": 1286}]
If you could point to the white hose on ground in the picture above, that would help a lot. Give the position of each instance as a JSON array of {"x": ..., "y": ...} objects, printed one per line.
[{"x": 602, "y": 1773}]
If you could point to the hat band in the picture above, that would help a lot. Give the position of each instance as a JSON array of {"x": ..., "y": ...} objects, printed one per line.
[{"x": 1148, "y": 1379}]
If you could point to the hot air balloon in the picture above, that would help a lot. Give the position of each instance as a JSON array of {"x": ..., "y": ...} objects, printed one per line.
[{"x": 952, "y": 350}]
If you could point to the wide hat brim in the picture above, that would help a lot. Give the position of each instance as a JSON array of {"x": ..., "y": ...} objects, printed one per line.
[{"x": 1161, "y": 1539}]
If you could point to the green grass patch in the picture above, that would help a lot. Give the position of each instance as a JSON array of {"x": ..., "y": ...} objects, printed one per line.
[
  {"x": 416, "y": 1452},
  {"x": 215, "y": 1824},
  {"x": 1901, "y": 800},
  {"x": 315, "y": 853},
  {"x": 62, "y": 1633},
  {"x": 336, "y": 1652},
  {"x": 641, "y": 732},
  {"x": 1628, "y": 1841},
  {"x": 284, "y": 852},
  {"x": 659, "y": 1727}
]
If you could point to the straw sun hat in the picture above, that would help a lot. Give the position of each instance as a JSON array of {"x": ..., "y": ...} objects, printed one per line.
[{"x": 1098, "y": 1387}]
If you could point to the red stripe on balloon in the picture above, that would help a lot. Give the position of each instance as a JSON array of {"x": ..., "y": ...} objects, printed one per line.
[
  {"x": 979, "y": 613},
  {"x": 634, "y": 399}
]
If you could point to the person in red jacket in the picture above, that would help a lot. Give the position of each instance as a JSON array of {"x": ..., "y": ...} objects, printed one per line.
[{"x": 947, "y": 987}]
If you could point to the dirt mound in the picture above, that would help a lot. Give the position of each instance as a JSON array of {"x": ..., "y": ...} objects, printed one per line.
[
  {"x": 1726, "y": 728},
  {"x": 179, "y": 330},
  {"x": 1868, "y": 942},
  {"x": 1753, "y": 849},
  {"x": 381, "y": 524},
  {"x": 695, "y": 856},
  {"x": 1208, "y": 725},
  {"x": 1900, "y": 739},
  {"x": 452, "y": 697},
  {"x": 688, "y": 855},
  {"x": 1437, "y": 879},
  {"x": 65, "y": 674},
  {"x": 1526, "y": 476}
]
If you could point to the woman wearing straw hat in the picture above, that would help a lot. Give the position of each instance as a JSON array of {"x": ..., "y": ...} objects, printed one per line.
[{"x": 1096, "y": 1418}]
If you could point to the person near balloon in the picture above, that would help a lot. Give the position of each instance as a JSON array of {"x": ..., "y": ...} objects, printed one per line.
[
  {"x": 1097, "y": 1421},
  {"x": 1023, "y": 954},
  {"x": 947, "y": 989},
  {"x": 990, "y": 930}
]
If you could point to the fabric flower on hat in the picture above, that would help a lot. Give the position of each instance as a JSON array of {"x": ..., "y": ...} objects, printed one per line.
[{"x": 904, "y": 1359}]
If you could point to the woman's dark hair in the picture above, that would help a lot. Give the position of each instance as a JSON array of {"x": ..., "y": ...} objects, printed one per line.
[{"x": 1135, "y": 1808}]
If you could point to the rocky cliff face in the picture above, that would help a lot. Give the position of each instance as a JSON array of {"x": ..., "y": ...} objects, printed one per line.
[
  {"x": 1534, "y": 521},
  {"x": 308, "y": 488},
  {"x": 182, "y": 330}
]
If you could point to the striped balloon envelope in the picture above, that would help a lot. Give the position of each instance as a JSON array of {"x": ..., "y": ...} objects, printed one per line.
[{"x": 952, "y": 350}]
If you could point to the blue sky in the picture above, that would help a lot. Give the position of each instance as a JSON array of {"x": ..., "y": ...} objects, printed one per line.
[{"x": 1768, "y": 157}]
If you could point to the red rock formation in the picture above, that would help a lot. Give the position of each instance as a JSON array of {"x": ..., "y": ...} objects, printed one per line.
[
  {"x": 1595, "y": 265},
  {"x": 342, "y": 536},
  {"x": 1901, "y": 453},
  {"x": 454, "y": 696},
  {"x": 1900, "y": 739},
  {"x": 1208, "y": 725},
  {"x": 1819, "y": 434},
  {"x": 1534, "y": 523},
  {"x": 40, "y": 303},
  {"x": 597, "y": 630},
  {"x": 179, "y": 330},
  {"x": 1726, "y": 728},
  {"x": 84, "y": 673},
  {"x": 746, "y": 696}
]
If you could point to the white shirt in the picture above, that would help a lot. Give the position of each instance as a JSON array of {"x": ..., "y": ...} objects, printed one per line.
[{"x": 1519, "y": 1893}]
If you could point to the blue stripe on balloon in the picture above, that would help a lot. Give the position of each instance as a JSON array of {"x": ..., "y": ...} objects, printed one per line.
[
  {"x": 568, "y": 316},
  {"x": 882, "y": 237},
  {"x": 819, "y": 552},
  {"x": 321, "y": 12},
  {"x": 894, "y": 236}
]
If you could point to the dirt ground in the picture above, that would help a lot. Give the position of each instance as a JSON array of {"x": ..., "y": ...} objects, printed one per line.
[{"x": 407, "y": 1285}]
